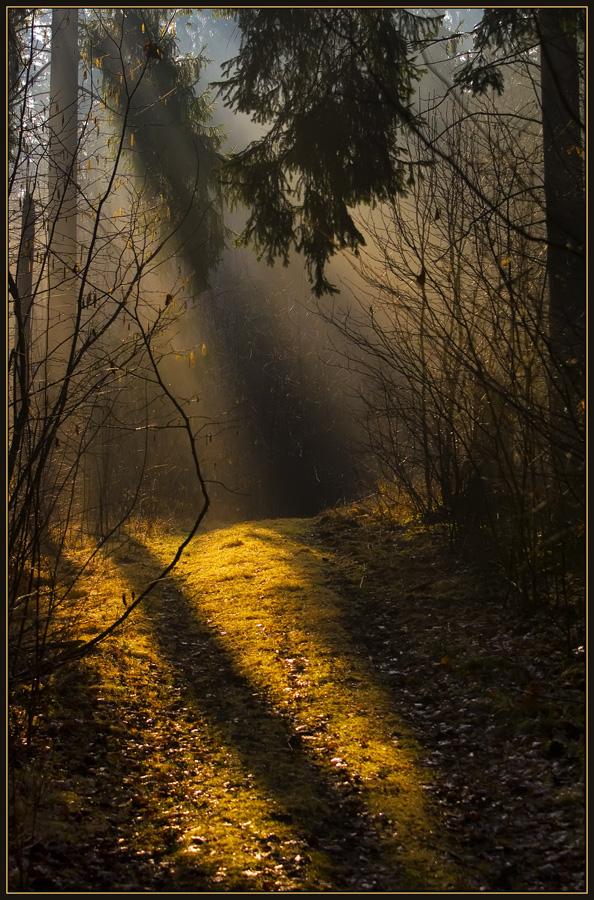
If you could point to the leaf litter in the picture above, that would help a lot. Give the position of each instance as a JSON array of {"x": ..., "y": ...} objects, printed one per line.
[{"x": 308, "y": 705}]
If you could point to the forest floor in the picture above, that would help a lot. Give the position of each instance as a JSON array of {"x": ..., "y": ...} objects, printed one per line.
[{"x": 306, "y": 705}]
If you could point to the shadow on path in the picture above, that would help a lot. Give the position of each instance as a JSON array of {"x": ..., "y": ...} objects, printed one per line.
[{"x": 326, "y": 806}]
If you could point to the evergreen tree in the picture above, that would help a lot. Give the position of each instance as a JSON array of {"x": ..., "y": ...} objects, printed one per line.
[
  {"x": 333, "y": 89},
  {"x": 153, "y": 93}
]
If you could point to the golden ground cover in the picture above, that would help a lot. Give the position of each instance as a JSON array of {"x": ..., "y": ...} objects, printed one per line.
[
  {"x": 313, "y": 705},
  {"x": 236, "y": 738}
]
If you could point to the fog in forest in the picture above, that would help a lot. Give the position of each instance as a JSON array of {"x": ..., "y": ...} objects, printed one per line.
[
  {"x": 271, "y": 387},
  {"x": 270, "y": 379},
  {"x": 277, "y": 436},
  {"x": 280, "y": 435},
  {"x": 160, "y": 366},
  {"x": 296, "y": 334},
  {"x": 274, "y": 404}
]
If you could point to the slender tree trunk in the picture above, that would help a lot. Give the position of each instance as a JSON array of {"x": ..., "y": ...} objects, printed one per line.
[
  {"x": 62, "y": 206},
  {"x": 23, "y": 302},
  {"x": 25, "y": 298}
]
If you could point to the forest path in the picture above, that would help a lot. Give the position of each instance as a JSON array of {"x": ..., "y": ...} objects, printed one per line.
[
  {"x": 313, "y": 784},
  {"x": 255, "y": 727}
]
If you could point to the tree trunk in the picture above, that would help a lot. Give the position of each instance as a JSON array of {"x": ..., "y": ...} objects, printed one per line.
[
  {"x": 62, "y": 205},
  {"x": 23, "y": 302},
  {"x": 25, "y": 291},
  {"x": 564, "y": 184}
]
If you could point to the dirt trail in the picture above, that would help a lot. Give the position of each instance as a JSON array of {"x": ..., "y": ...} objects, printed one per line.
[{"x": 246, "y": 733}]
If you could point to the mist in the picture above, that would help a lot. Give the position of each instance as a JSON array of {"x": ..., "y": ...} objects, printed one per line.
[
  {"x": 288, "y": 399},
  {"x": 270, "y": 399},
  {"x": 270, "y": 384},
  {"x": 275, "y": 402}
]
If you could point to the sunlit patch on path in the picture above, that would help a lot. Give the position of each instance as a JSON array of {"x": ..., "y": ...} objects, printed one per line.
[
  {"x": 244, "y": 729},
  {"x": 290, "y": 766}
]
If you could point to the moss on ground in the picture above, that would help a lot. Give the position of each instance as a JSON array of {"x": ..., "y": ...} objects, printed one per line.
[
  {"x": 303, "y": 705},
  {"x": 232, "y": 737}
]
